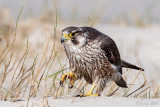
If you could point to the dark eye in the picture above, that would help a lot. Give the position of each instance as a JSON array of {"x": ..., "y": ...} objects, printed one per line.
[{"x": 72, "y": 34}]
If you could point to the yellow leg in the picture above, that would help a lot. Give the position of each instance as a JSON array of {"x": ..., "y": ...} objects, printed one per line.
[
  {"x": 68, "y": 75},
  {"x": 90, "y": 92}
]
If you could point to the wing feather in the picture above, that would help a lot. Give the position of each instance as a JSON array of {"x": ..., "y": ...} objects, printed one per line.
[{"x": 111, "y": 51}]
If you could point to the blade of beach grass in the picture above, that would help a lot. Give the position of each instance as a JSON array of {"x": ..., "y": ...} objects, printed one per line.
[
  {"x": 6, "y": 97},
  {"x": 11, "y": 84},
  {"x": 136, "y": 95},
  {"x": 132, "y": 83},
  {"x": 55, "y": 73},
  {"x": 156, "y": 93},
  {"x": 113, "y": 92}
]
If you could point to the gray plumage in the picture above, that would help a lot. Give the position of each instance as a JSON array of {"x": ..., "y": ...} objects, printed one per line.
[{"x": 94, "y": 56}]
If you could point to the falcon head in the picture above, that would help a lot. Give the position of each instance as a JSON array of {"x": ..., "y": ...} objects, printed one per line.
[{"x": 77, "y": 36}]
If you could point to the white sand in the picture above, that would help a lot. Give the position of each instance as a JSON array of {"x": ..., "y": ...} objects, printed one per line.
[
  {"x": 145, "y": 41},
  {"x": 85, "y": 102}
]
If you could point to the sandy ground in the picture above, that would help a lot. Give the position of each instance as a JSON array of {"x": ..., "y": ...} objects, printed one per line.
[
  {"x": 145, "y": 41},
  {"x": 83, "y": 102},
  {"x": 137, "y": 45}
]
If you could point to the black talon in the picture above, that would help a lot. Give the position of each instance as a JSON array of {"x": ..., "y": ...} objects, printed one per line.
[
  {"x": 61, "y": 83},
  {"x": 65, "y": 77},
  {"x": 79, "y": 96},
  {"x": 70, "y": 87}
]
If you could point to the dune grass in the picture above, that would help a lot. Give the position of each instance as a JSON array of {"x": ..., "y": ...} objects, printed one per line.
[{"x": 18, "y": 81}]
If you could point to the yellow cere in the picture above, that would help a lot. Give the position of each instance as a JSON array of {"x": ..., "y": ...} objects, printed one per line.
[{"x": 66, "y": 36}]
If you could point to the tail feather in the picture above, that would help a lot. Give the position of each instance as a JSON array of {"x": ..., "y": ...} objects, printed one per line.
[
  {"x": 128, "y": 65},
  {"x": 121, "y": 83}
]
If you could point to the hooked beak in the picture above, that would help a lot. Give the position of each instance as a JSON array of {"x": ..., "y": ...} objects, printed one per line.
[{"x": 64, "y": 38}]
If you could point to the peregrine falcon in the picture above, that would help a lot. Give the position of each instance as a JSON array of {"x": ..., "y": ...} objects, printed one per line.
[{"x": 93, "y": 56}]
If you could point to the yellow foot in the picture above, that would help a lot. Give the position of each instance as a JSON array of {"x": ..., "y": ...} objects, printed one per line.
[
  {"x": 89, "y": 93},
  {"x": 92, "y": 95},
  {"x": 69, "y": 75}
]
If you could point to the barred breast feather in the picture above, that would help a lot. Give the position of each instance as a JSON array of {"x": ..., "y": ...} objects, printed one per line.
[{"x": 90, "y": 62}]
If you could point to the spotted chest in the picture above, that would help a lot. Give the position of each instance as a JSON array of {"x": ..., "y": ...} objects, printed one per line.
[{"x": 89, "y": 62}]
